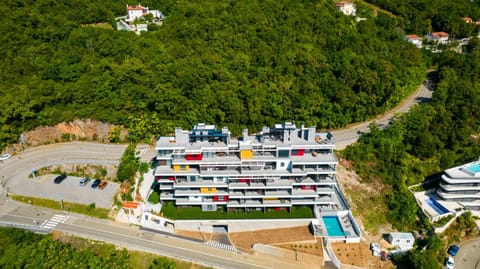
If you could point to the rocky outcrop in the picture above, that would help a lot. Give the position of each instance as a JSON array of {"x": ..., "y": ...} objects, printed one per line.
[{"x": 77, "y": 130}]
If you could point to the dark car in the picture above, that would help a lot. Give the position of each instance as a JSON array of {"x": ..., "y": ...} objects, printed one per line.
[
  {"x": 96, "y": 183},
  {"x": 59, "y": 179},
  {"x": 84, "y": 181},
  {"x": 453, "y": 250}
]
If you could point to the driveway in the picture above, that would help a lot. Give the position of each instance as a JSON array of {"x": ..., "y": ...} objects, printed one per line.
[
  {"x": 468, "y": 257},
  {"x": 14, "y": 172}
]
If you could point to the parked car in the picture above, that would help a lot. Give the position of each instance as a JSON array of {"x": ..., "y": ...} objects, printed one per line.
[
  {"x": 59, "y": 179},
  {"x": 449, "y": 262},
  {"x": 102, "y": 185},
  {"x": 453, "y": 250},
  {"x": 5, "y": 156},
  {"x": 96, "y": 183},
  {"x": 84, "y": 181}
]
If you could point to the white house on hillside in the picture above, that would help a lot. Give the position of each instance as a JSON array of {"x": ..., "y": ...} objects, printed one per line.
[
  {"x": 347, "y": 8},
  {"x": 404, "y": 241},
  {"x": 415, "y": 40},
  {"x": 137, "y": 11},
  {"x": 439, "y": 37}
]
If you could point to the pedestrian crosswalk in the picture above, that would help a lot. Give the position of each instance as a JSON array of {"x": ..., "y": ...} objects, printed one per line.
[
  {"x": 217, "y": 244},
  {"x": 54, "y": 221}
]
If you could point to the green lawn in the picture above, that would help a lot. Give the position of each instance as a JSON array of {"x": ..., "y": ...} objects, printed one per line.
[
  {"x": 89, "y": 210},
  {"x": 170, "y": 211}
]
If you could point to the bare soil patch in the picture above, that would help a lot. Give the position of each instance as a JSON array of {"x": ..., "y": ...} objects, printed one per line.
[
  {"x": 366, "y": 201},
  {"x": 245, "y": 240},
  {"x": 309, "y": 248},
  {"x": 359, "y": 255}
]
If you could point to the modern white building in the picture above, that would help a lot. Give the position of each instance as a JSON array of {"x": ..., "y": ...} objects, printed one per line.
[
  {"x": 404, "y": 241},
  {"x": 279, "y": 168},
  {"x": 347, "y": 8},
  {"x": 415, "y": 40},
  {"x": 461, "y": 184}
]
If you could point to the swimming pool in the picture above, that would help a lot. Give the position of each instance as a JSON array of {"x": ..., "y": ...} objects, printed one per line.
[
  {"x": 333, "y": 226},
  {"x": 439, "y": 208},
  {"x": 474, "y": 168}
]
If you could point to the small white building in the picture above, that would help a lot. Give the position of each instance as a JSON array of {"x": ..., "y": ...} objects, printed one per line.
[
  {"x": 415, "y": 40},
  {"x": 404, "y": 241},
  {"x": 138, "y": 11},
  {"x": 347, "y": 8},
  {"x": 439, "y": 37}
]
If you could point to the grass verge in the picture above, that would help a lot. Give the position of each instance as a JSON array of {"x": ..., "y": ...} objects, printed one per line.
[{"x": 89, "y": 210}]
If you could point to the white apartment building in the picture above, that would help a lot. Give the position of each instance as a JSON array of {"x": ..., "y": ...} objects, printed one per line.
[
  {"x": 279, "y": 168},
  {"x": 462, "y": 184}
]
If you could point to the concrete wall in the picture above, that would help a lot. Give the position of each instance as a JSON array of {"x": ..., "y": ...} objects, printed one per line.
[{"x": 242, "y": 225}]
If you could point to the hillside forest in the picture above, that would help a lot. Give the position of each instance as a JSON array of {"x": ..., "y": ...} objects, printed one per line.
[
  {"x": 233, "y": 63},
  {"x": 253, "y": 63}
]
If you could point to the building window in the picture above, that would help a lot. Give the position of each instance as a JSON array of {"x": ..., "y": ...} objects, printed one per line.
[
  {"x": 282, "y": 164},
  {"x": 284, "y": 153}
]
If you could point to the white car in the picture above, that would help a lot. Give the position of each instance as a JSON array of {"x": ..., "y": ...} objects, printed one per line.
[
  {"x": 450, "y": 263},
  {"x": 5, "y": 156}
]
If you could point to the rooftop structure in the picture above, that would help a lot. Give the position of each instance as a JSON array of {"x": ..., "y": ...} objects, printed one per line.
[
  {"x": 404, "y": 241},
  {"x": 347, "y": 8},
  {"x": 138, "y": 11},
  {"x": 439, "y": 37},
  {"x": 414, "y": 39},
  {"x": 462, "y": 184}
]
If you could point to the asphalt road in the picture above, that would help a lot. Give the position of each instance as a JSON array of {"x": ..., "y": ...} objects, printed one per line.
[
  {"x": 14, "y": 172},
  {"x": 468, "y": 257},
  {"x": 350, "y": 134},
  {"x": 132, "y": 237}
]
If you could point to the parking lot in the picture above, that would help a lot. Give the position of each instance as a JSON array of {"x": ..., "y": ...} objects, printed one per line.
[
  {"x": 16, "y": 170},
  {"x": 70, "y": 190}
]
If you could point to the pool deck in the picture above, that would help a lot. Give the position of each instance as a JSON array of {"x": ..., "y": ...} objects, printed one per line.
[{"x": 420, "y": 197}]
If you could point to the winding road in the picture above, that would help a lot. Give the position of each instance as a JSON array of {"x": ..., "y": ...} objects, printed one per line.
[{"x": 350, "y": 134}]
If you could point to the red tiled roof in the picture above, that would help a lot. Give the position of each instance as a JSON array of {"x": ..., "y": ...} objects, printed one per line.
[
  {"x": 133, "y": 205},
  {"x": 413, "y": 37},
  {"x": 467, "y": 19},
  {"x": 439, "y": 34},
  {"x": 136, "y": 7},
  {"x": 343, "y": 3}
]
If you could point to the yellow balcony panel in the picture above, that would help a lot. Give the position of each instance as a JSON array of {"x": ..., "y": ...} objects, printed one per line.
[
  {"x": 246, "y": 154},
  {"x": 208, "y": 190}
]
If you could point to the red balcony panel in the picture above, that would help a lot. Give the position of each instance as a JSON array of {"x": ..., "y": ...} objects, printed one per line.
[
  {"x": 298, "y": 152},
  {"x": 193, "y": 157}
]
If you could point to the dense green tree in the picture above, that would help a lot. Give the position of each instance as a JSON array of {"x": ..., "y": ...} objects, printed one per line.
[
  {"x": 237, "y": 64},
  {"x": 425, "y": 16}
]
